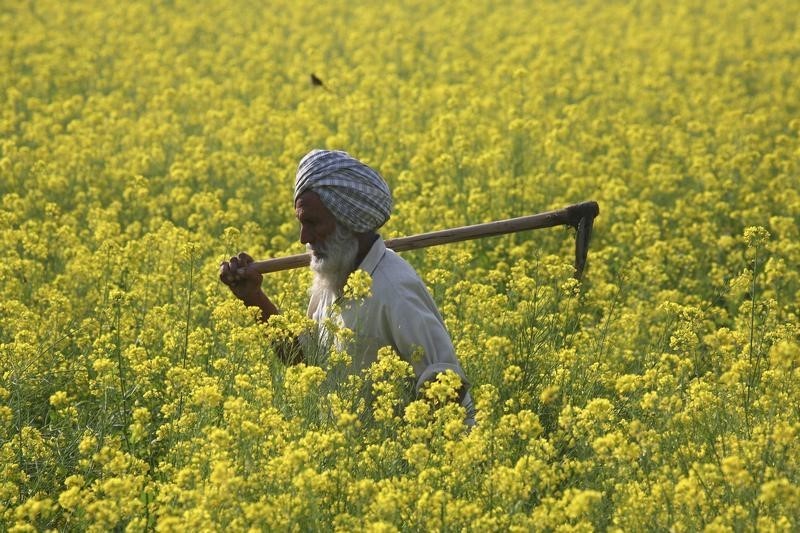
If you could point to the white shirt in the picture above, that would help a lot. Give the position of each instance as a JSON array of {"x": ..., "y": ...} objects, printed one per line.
[{"x": 399, "y": 313}]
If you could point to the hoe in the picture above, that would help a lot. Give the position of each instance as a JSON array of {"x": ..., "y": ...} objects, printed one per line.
[{"x": 580, "y": 216}]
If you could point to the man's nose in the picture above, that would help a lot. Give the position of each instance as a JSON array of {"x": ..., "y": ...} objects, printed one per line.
[{"x": 306, "y": 236}]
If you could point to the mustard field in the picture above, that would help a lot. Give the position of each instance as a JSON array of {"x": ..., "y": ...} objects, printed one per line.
[{"x": 142, "y": 143}]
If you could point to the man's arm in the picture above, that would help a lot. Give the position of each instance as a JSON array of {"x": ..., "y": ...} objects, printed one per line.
[
  {"x": 419, "y": 335},
  {"x": 245, "y": 284}
]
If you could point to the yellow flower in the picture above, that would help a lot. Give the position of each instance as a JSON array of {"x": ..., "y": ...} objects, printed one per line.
[
  {"x": 35, "y": 508},
  {"x": 358, "y": 286},
  {"x": 207, "y": 395},
  {"x": 59, "y": 399},
  {"x": 785, "y": 355},
  {"x": 755, "y": 236},
  {"x": 417, "y": 412},
  {"x": 302, "y": 381},
  {"x": 444, "y": 388},
  {"x": 87, "y": 444},
  {"x": 548, "y": 394},
  {"x": 512, "y": 374},
  {"x": 70, "y": 498},
  {"x": 735, "y": 471},
  {"x": 417, "y": 455},
  {"x": 581, "y": 502},
  {"x": 140, "y": 147}
]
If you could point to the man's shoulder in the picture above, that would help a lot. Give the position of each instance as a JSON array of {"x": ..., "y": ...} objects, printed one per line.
[{"x": 394, "y": 274}]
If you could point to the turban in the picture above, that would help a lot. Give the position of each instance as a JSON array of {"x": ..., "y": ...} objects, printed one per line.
[{"x": 356, "y": 194}]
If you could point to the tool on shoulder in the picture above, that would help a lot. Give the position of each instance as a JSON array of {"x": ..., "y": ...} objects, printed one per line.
[{"x": 579, "y": 216}]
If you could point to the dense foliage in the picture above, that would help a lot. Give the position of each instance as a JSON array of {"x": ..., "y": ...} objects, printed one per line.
[{"x": 141, "y": 143}]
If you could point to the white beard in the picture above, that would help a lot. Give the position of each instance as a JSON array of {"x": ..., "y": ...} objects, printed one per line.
[{"x": 332, "y": 262}]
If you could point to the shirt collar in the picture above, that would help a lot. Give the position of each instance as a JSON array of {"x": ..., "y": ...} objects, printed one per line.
[{"x": 373, "y": 257}]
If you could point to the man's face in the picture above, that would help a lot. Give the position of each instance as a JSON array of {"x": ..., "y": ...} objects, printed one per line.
[
  {"x": 333, "y": 246},
  {"x": 317, "y": 223}
]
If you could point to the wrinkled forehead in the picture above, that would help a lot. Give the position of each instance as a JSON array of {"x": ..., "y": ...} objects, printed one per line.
[
  {"x": 307, "y": 200},
  {"x": 310, "y": 204}
]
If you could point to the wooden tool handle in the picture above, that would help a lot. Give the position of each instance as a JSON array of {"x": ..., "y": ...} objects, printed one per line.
[{"x": 570, "y": 215}]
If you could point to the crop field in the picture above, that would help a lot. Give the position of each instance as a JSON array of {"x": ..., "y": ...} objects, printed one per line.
[{"x": 142, "y": 143}]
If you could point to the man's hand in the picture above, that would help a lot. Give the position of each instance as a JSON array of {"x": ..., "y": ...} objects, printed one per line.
[{"x": 243, "y": 281}]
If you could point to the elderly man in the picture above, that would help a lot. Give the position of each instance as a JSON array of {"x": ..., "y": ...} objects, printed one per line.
[{"x": 340, "y": 203}]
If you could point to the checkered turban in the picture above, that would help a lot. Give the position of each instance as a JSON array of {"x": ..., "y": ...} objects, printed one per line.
[{"x": 356, "y": 194}]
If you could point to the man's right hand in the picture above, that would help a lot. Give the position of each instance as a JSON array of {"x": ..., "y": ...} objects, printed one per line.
[{"x": 243, "y": 281}]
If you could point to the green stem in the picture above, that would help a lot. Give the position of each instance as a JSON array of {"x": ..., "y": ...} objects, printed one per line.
[
  {"x": 753, "y": 304},
  {"x": 752, "y": 381},
  {"x": 121, "y": 370},
  {"x": 188, "y": 309}
]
